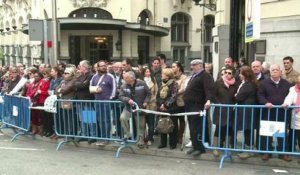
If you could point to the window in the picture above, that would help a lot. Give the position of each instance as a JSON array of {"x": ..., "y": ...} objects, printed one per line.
[
  {"x": 143, "y": 18},
  {"x": 179, "y": 54},
  {"x": 90, "y": 13},
  {"x": 179, "y": 27}
]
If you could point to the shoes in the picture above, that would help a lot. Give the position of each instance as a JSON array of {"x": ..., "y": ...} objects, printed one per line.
[
  {"x": 285, "y": 158},
  {"x": 197, "y": 153},
  {"x": 265, "y": 157},
  {"x": 189, "y": 145},
  {"x": 161, "y": 146},
  {"x": 149, "y": 143},
  {"x": 216, "y": 153},
  {"x": 190, "y": 151},
  {"x": 173, "y": 147},
  {"x": 102, "y": 143},
  {"x": 245, "y": 155},
  {"x": 140, "y": 145},
  {"x": 92, "y": 141}
]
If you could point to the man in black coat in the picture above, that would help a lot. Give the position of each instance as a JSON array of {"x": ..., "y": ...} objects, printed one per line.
[{"x": 197, "y": 97}]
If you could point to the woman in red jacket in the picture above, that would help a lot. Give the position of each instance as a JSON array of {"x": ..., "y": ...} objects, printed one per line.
[
  {"x": 32, "y": 93},
  {"x": 43, "y": 94}
]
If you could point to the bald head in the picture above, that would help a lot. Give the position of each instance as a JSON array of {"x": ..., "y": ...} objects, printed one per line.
[
  {"x": 117, "y": 67},
  {"x": 275, "y": 71}
]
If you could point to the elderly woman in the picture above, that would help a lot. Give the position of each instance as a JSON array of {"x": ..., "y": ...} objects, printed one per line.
[
  {"x": 224, "y": 91},
  {"x": 166, "y": 100},
  {"x": 66, "y": 118}
]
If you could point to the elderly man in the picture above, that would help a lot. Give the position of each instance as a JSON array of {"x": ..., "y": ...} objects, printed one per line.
[
  {"x": 198, "y": 94},
  {"x": 257, "y": 70},
  {"x": 289, "y": 73},
  {"x": 272, "y": 91},
  {"x": 134, "y": 91}
]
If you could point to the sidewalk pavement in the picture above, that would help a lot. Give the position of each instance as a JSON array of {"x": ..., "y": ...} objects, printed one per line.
[{"x": 167, "y": 152}]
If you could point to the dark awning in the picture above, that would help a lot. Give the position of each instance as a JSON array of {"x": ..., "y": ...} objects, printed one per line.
[{"x": 107, "y": 24}]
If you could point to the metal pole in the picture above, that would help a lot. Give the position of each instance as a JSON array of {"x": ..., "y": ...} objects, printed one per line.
[
  {"x": 54, "y": 24},
  {"x": 46, "y": 60},
  {"x": 203, "y": 33}
]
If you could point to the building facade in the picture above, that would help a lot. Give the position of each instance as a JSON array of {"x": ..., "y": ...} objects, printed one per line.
[
  {"x": 279, "y": 32},
  {"x": 104, "y": 29},
  {"x": 141, "y": 29}
]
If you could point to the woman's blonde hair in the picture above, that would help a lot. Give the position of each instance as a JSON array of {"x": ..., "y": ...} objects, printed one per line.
[{"x": 168, "y": 72}]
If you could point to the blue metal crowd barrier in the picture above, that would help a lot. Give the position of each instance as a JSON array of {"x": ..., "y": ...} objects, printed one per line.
[
  {"x": 93, "y": 120},
  {"x": 16, "y": 114},
  {"x": 1, "y": 107},
  {"x": 252, "y": 129}
]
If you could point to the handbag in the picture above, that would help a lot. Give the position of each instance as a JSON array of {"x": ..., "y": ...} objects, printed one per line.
[
  {"x": 165, "y": 125},
  {"x": 93, "y": 89},
  {"x": 66, "y": 105}
]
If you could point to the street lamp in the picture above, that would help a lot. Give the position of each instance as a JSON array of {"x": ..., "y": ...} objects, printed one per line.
[{"x": 211, "y": 5}]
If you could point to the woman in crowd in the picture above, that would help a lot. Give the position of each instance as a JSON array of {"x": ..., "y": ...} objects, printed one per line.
[
  {"x": 246, "y": 95},
  {"x": 181, "y": 81},
  {"x": 66, "y": 112},
  {"x": 43, "y": 94},
  {"x": 151, "y": 83},
  {"x": 225, "y": 89},
  {"x": 167, "y": 96},
  {"x": 32, "y": 93},
  {"x": 293, "y": 98}
]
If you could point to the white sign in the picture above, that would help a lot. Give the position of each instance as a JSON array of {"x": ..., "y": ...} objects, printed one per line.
[
  {"x": 15, "y": 111},
  {"x": 272, "y": 128},
  {"x": 252, "y": 20}
]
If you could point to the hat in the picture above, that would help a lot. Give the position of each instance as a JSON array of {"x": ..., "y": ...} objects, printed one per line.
[
  {"x": 70, "y": 70},
  {"x": 196, "y": 61}
]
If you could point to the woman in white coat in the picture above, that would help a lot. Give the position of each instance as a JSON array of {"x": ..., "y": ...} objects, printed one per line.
[{"x": 293, "y": 98}]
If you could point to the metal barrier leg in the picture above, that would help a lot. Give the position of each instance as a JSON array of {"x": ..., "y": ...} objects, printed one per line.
[
  {"x": 123, "y": 146},
  {"x": 18, "y": 134},
  {"x": 226, "y": 156},
  {"x": 61, "y": 143}
]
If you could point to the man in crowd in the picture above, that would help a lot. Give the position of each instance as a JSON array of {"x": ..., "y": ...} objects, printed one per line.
[
  {"x": 272, "y": 91},
  {"x": 134, "y": 91},
  {"x": 106, "y": 89},
  {"x": 197, "y": 97},
  {"x": 289, "y": 73},
  {"x": 156, "y": 71},
  {"x": 163, "y": 61}
]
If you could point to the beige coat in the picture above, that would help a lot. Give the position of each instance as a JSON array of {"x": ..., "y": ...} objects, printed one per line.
[
  {"x": 152, "y": 103},
  {"x": 182, "y": 85}
]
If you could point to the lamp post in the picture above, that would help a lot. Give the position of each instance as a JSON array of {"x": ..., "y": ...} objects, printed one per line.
[
  {"x": 211, "y": 6},
  {"x": 54, "y": 35}
]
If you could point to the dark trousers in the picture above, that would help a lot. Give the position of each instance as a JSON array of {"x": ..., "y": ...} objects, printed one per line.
[
  {"x": 222, "y": 133},
  {"x": 196, "y": 125},
  {"x": 117, "y": 110},
  {"x": 172, "y": 135},
  {"x": 48, "y": 122},
  {"x": 150, "y": 124}
]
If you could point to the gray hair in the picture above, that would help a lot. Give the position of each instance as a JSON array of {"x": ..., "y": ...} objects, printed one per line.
[
  {"x": 85, "y": 63},
  {"x": 131, "y": 74}
]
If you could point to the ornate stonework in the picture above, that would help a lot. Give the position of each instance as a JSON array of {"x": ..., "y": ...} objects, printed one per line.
[{"x": 90, "y": 3}]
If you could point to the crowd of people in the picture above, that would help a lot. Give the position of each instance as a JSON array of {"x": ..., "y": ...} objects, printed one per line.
[{"x": 160, "y": 87}]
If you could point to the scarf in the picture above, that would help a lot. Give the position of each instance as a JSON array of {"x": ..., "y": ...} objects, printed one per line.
[
  {"x": 165, "y": 89},
  {"x": 228, "y": 82},
  {"x": 148, "y": 81},
  {"x": 297, "y": 88}
]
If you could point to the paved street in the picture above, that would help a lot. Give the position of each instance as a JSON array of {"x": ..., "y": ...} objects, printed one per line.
[{"x": 27, "y": 156}]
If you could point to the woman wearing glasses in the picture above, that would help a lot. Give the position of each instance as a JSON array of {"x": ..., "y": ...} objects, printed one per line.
[{"x": 225, "y": 89}]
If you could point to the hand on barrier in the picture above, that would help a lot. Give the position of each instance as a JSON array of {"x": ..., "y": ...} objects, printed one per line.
[{"x": 269, "y": 105}]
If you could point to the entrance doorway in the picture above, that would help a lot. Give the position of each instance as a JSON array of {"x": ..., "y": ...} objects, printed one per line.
[
  {"x": 92, "y": 48},
  {"x": 143, "y": 50}
]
